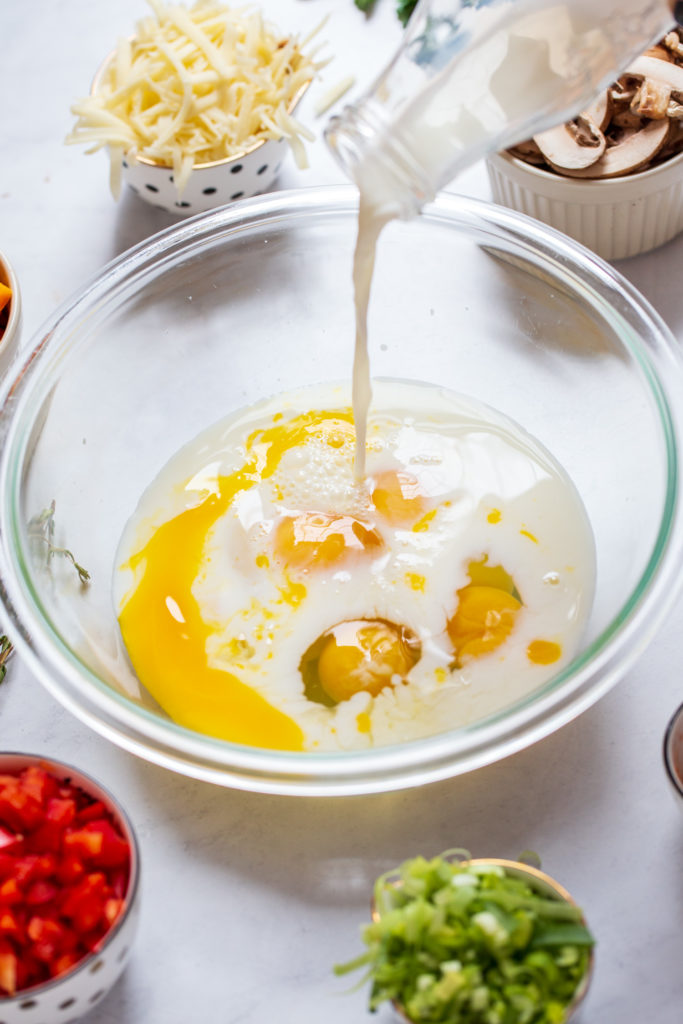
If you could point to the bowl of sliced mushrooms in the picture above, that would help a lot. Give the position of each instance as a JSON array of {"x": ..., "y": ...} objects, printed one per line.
[{"x": 611, "y": 178}]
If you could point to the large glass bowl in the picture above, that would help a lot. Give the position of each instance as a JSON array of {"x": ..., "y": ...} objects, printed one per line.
[{"x": 235, "y": 305}]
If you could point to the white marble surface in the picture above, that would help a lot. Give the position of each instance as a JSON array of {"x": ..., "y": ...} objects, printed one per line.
[{"x": 249, "y": 900}]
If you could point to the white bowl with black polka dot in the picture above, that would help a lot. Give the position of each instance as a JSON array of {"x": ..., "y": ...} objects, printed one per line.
[
  {"x": 249, "y": 173},
  {"x": 73, "y": 994},
  {"x": 211, "y": 184}
]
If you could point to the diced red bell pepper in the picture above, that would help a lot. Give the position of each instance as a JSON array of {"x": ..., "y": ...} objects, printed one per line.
[
  {"x": 24, "y": 868},
  {"x": 7, "y": 862},
  {"x": 94, "y": 810},
  {"x": 10, "y": 892},
  {"x": 64, "y": 874},
  {"x": 64, "y": 963},
  {"x": 47, "y": 837},
  {"x": 10, "y": 925},
  {"x": 114, "y": 850},
  {"x": 9, "y": 840},
  {"x": 40, "y": 892},
  {"x": 119, "y": 882},
  {"x": 70, "y": 869},
  {"x": 62, "y": 810},
  {"x": 38, "y": 783},
  {"x": 84, "y": 903},
  {"x": 8, "y": 971},
  {"x": 47, "y": 938},
  {"x": 112, "y": 909},
  {"x": 83, "y": 842}
]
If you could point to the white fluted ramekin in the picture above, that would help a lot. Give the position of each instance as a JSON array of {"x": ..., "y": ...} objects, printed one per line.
[{"x": 615, "y": 217}]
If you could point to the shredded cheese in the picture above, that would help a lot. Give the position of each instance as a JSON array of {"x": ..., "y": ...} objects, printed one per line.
[
  {"x": 195, "y": 86},
  {"x": 333, "y": 94}
]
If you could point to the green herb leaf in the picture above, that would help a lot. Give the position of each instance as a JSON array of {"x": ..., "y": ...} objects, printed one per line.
[
  {"x": 6, "y": 650},
  {"x": 404, "y": 9},
  {"x": 364, "y": 5},
  {"x": 41, "y": 530}
]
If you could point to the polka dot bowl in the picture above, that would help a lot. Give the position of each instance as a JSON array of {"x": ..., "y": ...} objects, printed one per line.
[
  {"x": 249, "y": 173},
  {"x": 212, "y": 184},
  {"x": 71, "y": 995}
]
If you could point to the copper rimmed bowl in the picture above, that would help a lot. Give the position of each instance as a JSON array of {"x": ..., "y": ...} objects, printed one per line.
[{"x": 230, "y": 307}]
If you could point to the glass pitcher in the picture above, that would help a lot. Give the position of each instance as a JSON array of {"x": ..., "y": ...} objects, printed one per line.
[{"x": 473, "y": 76}]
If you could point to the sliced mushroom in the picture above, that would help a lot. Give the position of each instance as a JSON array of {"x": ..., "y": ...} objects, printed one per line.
[
  {"x": 626, "y": 120},
  {"x": 600, "y": 110},
  {"x": 659, "y": 71},
  {"x": 652, "y": 100},
  {"x": 573, "y": 146},
  {"x": 640, "y": 117},
  {"x": 528, "y": 151},
  {"x": 633, "y": 152},
  {"x": 660, "y": 52},
  {"x": 673, "y": 44}
]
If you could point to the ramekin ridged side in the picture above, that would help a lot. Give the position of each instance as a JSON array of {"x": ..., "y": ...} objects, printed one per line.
[{"x": 615, "y": 217}]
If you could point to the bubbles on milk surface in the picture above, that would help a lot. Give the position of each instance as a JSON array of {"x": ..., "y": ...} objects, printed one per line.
[{"x": 268, "y": 597}]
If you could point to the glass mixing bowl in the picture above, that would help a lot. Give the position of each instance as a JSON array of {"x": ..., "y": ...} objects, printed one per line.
[{"x": 235, "y": 305}]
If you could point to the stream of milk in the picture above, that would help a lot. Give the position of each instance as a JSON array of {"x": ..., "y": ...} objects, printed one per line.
[{"x": 521, "y": 66}]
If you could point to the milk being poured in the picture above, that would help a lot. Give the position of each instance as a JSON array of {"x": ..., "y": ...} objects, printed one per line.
[{"x": 471, "y": 77}]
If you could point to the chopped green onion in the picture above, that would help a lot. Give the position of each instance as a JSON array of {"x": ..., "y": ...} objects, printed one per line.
[{"x": 460, "y": 943}]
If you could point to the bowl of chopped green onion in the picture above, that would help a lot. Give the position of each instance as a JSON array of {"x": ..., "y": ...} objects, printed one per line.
[{"x": 460, "y": 941}]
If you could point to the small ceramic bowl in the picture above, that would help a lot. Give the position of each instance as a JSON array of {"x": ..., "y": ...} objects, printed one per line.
[
  {"x": 248, "y": 173},
  {"x": 615, "y": 217},
  {"x": 9, "y": 340},
  {"x": 74, "y": 993},
  {"x": 673, "y": 753},
  {"x": 209, "y": 185},
  {"x": 537, "y": 880}
]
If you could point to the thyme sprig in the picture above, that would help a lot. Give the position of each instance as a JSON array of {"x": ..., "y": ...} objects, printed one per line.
[
  {"x": 41, "y": 528},
  {"x": 6, "y": 651}
]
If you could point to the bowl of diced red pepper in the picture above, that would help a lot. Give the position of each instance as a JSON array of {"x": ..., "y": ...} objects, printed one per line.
[
  {"x": 69, "y": 873},
  {"x": 10, "y": 313}
]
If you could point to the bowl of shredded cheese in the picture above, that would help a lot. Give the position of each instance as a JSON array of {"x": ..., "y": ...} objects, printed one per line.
[{"x": 196, "y": 109}]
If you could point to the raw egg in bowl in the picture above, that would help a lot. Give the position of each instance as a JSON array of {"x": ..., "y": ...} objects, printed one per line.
[{"x": 257, "y": 615}]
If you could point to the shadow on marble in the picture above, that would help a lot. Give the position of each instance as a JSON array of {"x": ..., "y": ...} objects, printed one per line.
[
  {"x": 652, "y": 274},
  {"x": 329, "y": 850},
  {"x": 137, "y": 220}
]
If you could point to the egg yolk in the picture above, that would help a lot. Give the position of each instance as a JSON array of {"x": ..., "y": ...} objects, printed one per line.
[
  {"x": 398, "y": 496},
  {"x": 320, "y": 539},
  {"x": 365, "y": 655},
  {"x": 483, "y": 574},
  {"x": 543, "y": 652},
  {"x": 486, "y": 612},
  {"x": 162, "y": 624},
  {"x": 483, "y": 620}
]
